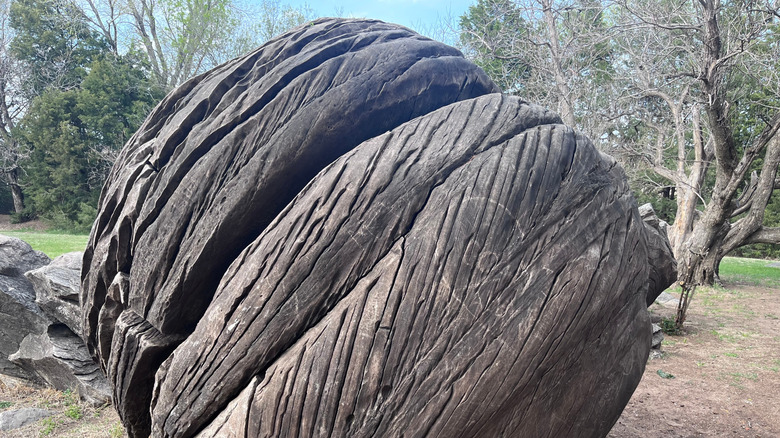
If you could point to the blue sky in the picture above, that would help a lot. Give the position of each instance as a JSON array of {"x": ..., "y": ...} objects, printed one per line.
[{"x": 420, "y": 15}]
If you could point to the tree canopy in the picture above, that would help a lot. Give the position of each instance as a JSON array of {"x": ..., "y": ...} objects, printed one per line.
[
  {"x": 685, "y": 93},
  {"x": 78, "y": 77}
]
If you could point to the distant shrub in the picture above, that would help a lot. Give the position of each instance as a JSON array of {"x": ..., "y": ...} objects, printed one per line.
[
  {"x": 81, "y": 224},
  {"x": 23, "y": 216}
]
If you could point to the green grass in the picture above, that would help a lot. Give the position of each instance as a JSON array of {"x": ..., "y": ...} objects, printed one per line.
[
  {"x": 749, "y": 271},
  {"x": 52, "y": 244}
]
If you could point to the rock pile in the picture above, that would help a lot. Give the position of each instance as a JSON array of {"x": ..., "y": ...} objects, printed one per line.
[{"x": 39, "y": 319}]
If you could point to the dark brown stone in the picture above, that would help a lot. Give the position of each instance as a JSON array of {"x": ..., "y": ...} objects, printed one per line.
[
  {"x": 345, "y": 233},
  {"x": 480, "y": 271},
  {"x": 222, "y": 155}
]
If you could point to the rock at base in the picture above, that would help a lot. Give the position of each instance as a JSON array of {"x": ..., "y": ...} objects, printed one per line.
[
  {"x": 658, "y": 337},
  {"x": 19, "y": 314},
  {"x": 61, "y": 359},
  {"x": 14, "y": 419}
]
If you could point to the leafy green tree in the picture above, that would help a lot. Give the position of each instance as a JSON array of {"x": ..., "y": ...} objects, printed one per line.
[{"x": 59, "y": 168}]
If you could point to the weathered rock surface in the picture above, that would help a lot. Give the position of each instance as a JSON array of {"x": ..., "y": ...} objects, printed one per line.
[
  {"x": 444, "y": 291},
  {"x": 61, "y": 359},
  {"x": 221, "y": 156},
  {"x": 16, "y": 418},
  {"x": 467, "y": 266},
  {"x": 663, "y": 266},
  {"x": 658, "y": 336},
  {"x": 19, "y": 314},
  {"x": 36, "y": 298},
  {"x": 57, "y": 288}
]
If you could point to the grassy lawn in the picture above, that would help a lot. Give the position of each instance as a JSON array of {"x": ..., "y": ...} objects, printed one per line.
[
  {"x": 52, "y": 244},
  {"x": 753, "y": 272}
]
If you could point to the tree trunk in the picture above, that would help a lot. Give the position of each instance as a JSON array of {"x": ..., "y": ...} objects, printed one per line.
[
  {"x": 706, "y": 270},
  {"x": 18, "y": 196},
  {"x": 12, "y": 179},
  {"x": 684, "y": 220}
]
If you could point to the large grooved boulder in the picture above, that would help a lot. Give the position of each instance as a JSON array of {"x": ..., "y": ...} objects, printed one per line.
[
  {"x": 345, "y": 233},
  {"x": 217, "y": 161},
  {"x": 480, "y": 271}
]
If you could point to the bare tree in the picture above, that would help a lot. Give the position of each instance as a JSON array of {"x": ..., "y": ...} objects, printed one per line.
[
  {"x": 178, "y": 37},
  {"x": 692, "y": 70},
  {"x": 185, "y": 38},
  {"x": 12, "y": 106},
  {"x": 106, "y": 17},
  {"x": 554, "y": 53}
]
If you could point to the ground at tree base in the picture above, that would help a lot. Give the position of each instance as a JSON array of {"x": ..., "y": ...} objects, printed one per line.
[
  {"x": 6, "y": 224},
  {"x": 726, "y": 370}
]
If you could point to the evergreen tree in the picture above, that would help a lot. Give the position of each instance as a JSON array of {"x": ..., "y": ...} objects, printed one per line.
[
  {"x": 54, "y": 40},
  {"x": 74, "y": 136}
]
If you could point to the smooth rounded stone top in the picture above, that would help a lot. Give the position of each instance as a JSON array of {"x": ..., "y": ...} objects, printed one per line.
[
  {"x": 220, "y": 157},
  {"x": 18, "y": 257},
  {"x": 479, "y": 271}
]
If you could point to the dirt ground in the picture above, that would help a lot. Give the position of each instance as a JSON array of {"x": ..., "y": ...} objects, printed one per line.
[
  {"x": 726, "y": 383},
  {"x": 5, "y": 224},
  {"x": 70, "y": 417},
  {"x": 726, "y": 369}
]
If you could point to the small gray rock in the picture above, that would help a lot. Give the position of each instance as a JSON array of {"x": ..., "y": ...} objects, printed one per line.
[
  {"x": 658, "y": 337},
  {"x": 61, "y": 359},
  {"x": 18, "y": 257},
  {"x": 667, "y": 299},
  {"x": 17, "y": 418}
]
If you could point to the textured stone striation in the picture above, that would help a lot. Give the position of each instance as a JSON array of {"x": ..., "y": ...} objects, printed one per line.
[{"x": 39, "y": 322}]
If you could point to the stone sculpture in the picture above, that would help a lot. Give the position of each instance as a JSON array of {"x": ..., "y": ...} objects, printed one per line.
[{"x": 348, "y": 232}]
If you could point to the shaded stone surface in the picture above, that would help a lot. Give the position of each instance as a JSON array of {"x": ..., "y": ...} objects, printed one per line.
[
  {"x": 222, "y": 155},
  {"x": 446, "y": 290},
  {"x": 658, "y": 336},
  {"x": 663, "y": 266},
  {"x": 60, "y": 358},
  {"x": 19, "y": 314},
  {"x": 16, "y": 418},
  {"x": 36, "y": 298},
  {"x": 467, "y": 266},
  {"x": 57, "y": 288}
]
